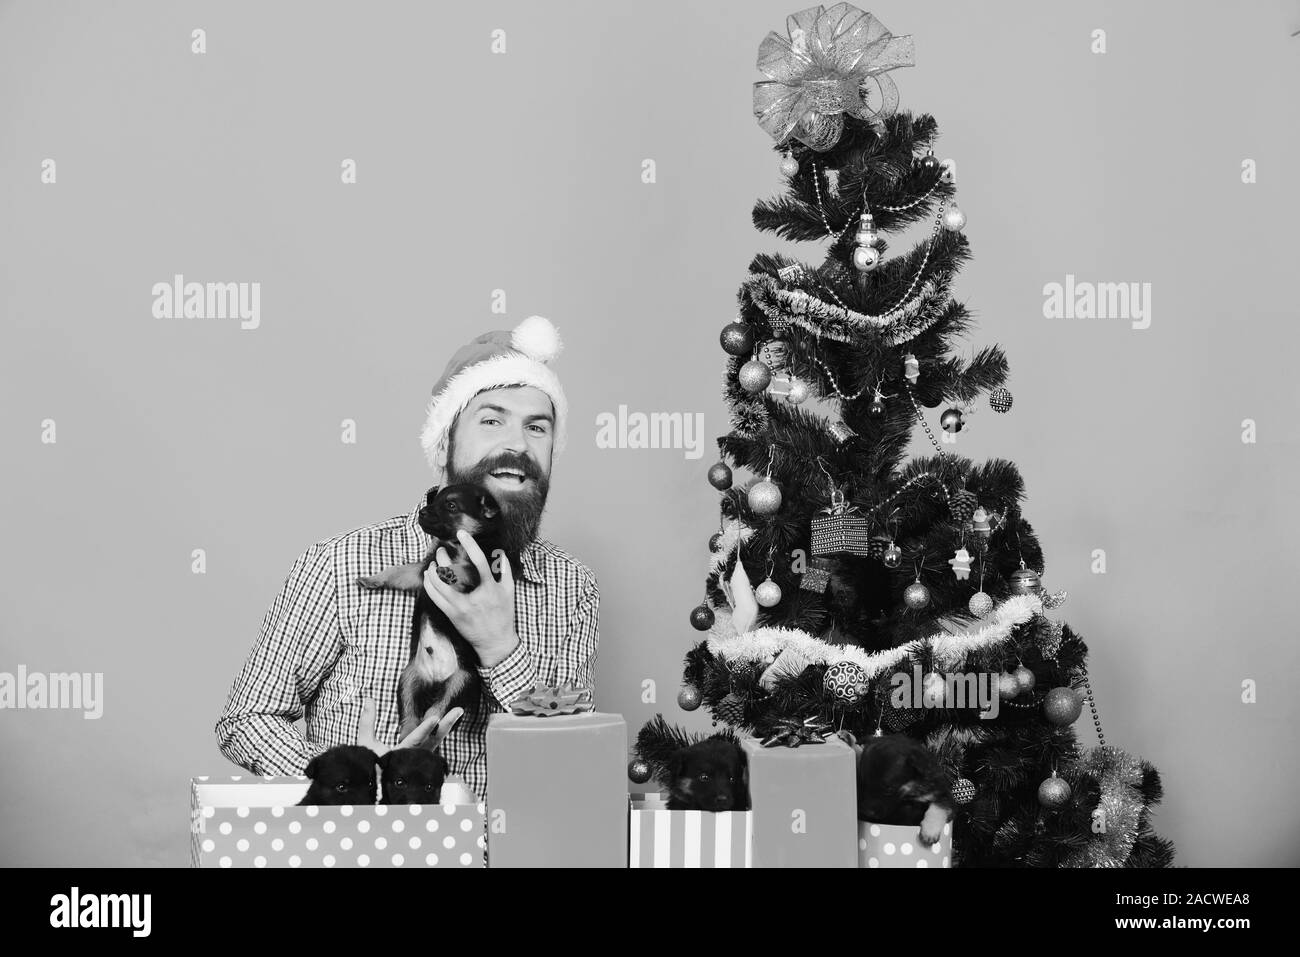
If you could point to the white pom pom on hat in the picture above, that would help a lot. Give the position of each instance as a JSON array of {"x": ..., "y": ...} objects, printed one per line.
[{"x": 503, "y": 357}]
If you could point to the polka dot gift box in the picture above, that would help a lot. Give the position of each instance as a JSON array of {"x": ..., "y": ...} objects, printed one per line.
[
  {"x": 254, "y": 821},
  {"x": 897, "y": 845}
]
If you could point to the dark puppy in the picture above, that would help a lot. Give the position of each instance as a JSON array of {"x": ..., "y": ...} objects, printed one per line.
[
  {"x": 708, "y": 776},
  {"x": 900, "y": 782},
  {"x": 344, "y": 774},
  {"x": 412, "y": 776},
  {"x": 443, "y": 671}
]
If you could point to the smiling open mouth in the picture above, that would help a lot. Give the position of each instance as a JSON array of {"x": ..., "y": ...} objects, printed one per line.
[{"x": 509, "y": 476}]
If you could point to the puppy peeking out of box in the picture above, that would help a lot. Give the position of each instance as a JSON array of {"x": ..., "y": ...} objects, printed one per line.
[
  {"x": 900, "y": 781},
  {"x": 699, "y": 774}
]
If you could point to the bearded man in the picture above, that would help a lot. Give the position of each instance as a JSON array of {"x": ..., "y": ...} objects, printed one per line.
[{"x": 330, "y": 651}]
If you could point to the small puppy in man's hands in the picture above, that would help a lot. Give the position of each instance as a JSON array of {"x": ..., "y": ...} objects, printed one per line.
[
  {"x": 345, "y": 774},
  {"x": 900, "y": 781},
  {"x": 708, "y": 776}
]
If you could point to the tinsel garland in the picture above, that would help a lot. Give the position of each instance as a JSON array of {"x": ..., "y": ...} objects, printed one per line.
[
  {"x": 763, "y": 644},
  {"x": 817, "y": 316},
  {"x": 732, "y": 532},
  {"x": 1120, "y": 802}
]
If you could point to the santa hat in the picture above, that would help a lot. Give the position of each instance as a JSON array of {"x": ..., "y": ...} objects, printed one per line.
[{"x": 503, "y": 357}]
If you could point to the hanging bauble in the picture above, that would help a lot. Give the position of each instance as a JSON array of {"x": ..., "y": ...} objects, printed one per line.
[
  {"x": 1000, "y": 399},
  {"x": 877, "y": 406},
  {"x": 775, "y": 354},
  {"x": 963, "y": 791},
  {"x": 962, "y": 505},
  {"x": 1025, "y": 581},
  {"x": 934, "y": 690},
  {"x": 1008, "y": 686},
  {"x": 720, "y": 476},
  {"x": 1055, "y": 599},
  {"x": 893, "y": 556},
  {"x": 638, "y": 771},
  {"x": 865, "y": 258},
  {"x": 731, "y": 709},
  {"x": 949, "y": 174},
  {"x": 980, "y": 521},
  {"x": 714, "y": 541},
  {"x": 916, "y": 595},
  {"x": 688, "y": 699},
  {"x": 911, "y": 368},
  {"x": 951, "y": 420},
  {"x": 929, "y": 162},
  {"x": 789, "y": 165},
  {"x": 768, "y": 593},
  {"x": 961, "y": 564},
  {"x": 953, "y": 218},
  {"x": 737, "y": 339},
  {"x": 764, "y": 498},
  {"x": 833, "y": 182},
  {"x": 1024, "y": 678},
  {"x": 754, "y": 376},
  {"x": 980, "y": 604},
  {"x": 1062, "y": 706},
  {"x": 701, "y": 617},
  {"x": 1053, "y": 792},
  {"x": 847, "y": 683},
  {"x": 798, "y": 393}
]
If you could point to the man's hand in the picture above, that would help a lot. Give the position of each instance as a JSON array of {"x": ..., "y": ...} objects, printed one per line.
[
  {"x": 366, "y": 729},
  {"x": 485, "y": 617}
]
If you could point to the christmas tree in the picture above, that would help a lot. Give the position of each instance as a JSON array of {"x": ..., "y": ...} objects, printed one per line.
[{"x": 890, "y": 591}]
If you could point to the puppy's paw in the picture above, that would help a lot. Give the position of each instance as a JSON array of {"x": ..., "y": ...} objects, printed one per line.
[
  {"x": 932, "y": 825},
  {"x": 447, "y": 574},
  {"x": 929, "y": 838}
]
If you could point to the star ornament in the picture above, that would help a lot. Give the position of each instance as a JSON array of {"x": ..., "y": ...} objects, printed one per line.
[{"x": 961, "y": 564}]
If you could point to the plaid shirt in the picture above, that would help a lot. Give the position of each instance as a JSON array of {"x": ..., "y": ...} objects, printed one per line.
[{"x": 326, "y": 641}]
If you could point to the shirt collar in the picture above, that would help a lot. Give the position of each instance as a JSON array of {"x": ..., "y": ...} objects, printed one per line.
[{"x": 530, "y": 560}]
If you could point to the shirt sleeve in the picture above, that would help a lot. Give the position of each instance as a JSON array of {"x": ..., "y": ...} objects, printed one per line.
[
  {"x": 298, "y": 643},
  {"x": 575, "y": 662}
]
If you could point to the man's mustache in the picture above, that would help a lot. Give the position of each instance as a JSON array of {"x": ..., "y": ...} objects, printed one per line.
[{"x": 505, "y": 460}]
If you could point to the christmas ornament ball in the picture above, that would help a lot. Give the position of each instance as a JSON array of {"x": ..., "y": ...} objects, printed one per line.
[
  {"x": 701, "y": 617},
  {"x": 714, "y": 541},
  {"x": 720, "y": 476},
  {"x": 789, "y": 165},
  {"x": 688, "y": 699},
  {"x": 1024, "y": 678},
  {"x": 1053, "y": 792},
  {"x": 1025, "y": 581},
  {"x": 764, "y": 498},
  {"x": 638, "y": 771},
  {"x": 929, "y": 162},
  {"x": 951, "y": 420},
  {"x": 1008, "y": 686},
  {"x": 737, "y": 339},
  {"x": 1000, "y": 399},
  {"x": 768, "y": 593},
  {"x": 980, "y": 604},
  {"x": 754, "y": 376},
  {"x": 934, "y": 690},
  {"x": 963, "y": 790},
  {"x": 865, "y": 258},
  {"x": 846, "y": 682},
  {"x": 893, "y": 556},
  {"x": 953, "y": 219},
  {"x": 798, "y": 393},
  {"x": 916, "y": 596},
  {"x": 1062, "y": 706}
]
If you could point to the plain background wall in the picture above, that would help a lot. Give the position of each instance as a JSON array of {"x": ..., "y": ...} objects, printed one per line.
[{"x": 522, "y": 172}]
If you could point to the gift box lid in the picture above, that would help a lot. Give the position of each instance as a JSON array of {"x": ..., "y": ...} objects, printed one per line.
[{"x": 586, "y": 720}]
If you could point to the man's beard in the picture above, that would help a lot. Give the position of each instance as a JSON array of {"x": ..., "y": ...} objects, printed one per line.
[{"x": 521, "y": 511}]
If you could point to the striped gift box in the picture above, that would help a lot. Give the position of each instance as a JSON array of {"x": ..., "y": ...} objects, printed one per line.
[
  {"x": 252, "y": 821},
  {"x": 658, "y": 837}
]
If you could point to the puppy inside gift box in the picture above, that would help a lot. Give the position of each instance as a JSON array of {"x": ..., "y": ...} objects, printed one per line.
[{"x": 329, "y": 818}]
